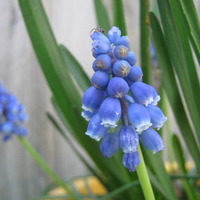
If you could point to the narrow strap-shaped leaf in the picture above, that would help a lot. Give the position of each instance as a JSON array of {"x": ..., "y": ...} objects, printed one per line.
[
  {"x": 156, "y": 185},
  {"x": 181, "y": 166},
  {"x": 60, "y": 82},
  {"x": 120, "y": 190},
  {"x": 145, "y": 40},
  {"x": 75, "y": 150},
  {"x": 102, "y": 15},
  {"x": 42, "y": 163},
  {"x": 50, "y": 58},
  {"x": 119, "y": 18},
  {"x": 75, "y": 68},
  {"x": 107, "y": 166},
  {"x": 170, "y": 86},
  {"x": 192, "y": 19},
  {"x": 157, "y": 164},
  {"x": 180, "y": 53}
]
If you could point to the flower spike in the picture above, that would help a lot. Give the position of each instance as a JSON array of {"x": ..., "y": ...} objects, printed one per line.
[{"x": 120, "y": 100}]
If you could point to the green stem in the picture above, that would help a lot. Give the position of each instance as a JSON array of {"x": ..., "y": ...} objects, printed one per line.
[
  {"x": 44, "y": 165},
  {"x": 144, "y": 178}
]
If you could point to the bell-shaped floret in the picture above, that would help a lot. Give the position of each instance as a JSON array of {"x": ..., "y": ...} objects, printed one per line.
[
  {"x": 117, "y": 87},
  {"x": 19, "y": 130},
  {"x": 131, "y": 160},
  {"x": 95, "y": 130},
  {"x": 99, "y": 36},
  {"x": 139, "y": 117},
  {"x": 141, "y": 93},
  {"x": 135, "y": 74},
  {"x": 121, "y": 68},
  {"x": 156, "y": 97},
  {"x": 6, "y": 127},
  {"x": 157, "y": 116},
  {"x": 110, "y": 144},
  {"x": 114, "y": 34},
  {"x": 110, "y": 112},
  {"x": 103, "y": 63},
  {"x": 151, "y": 140},
  {"x": 92, "y": 99},
  {"x": 100, "y": 47},
  {"x": 124, "y": 40},
  {"x": 121, "y": 52},
  {"x": 23, "y": 117},
  {"x": 131, "y": 58},
  {"x": 88, "y": 115},
  {"x": 128, "y": 139},
  {"x": 100, "y": 79}
]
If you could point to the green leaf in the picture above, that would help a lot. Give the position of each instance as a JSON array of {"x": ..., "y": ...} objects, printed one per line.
[
  {"x": 43, "y": 164},
  {"x": 75, "y": 68},
  {"x": 156, "y": 185},
  {"x": 64, "y": 91},
  {"x": 170, "y": 86},
  {"x": 181, "y": 56},
  {"x": 109, "y": 167},
  {"x": 50, "y": 58},
  {"x": 120, "y": 190},
  {"x": 102, "y": 15},
  {"x": 119, "y": 18},
  {"x": 181, "y": 166},
  {"x": 157, "y": 164},
  {"x": 75, "y": 150},
  {"x": 192, "y": 20},
  {"x": 145, "y": 40}
]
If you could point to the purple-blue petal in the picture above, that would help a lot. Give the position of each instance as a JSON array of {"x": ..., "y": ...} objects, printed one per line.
[
  {"x": 141, "y": 93},
  {"x": 131, "y": 160},
  {"x": 135, "y": 74},
  {"x": 121, "y": 52},
  {"x": 121, "y": 68},
  {"x": 100, "y": 47},
  {"x": 103, "y": 63},
  {"x": 151, "y": 140},
  {"x": 128, "y": 139},
  {"x": 114, "y": 34},
  {"x": 95, "y": 130},
  {"x": 131, "y": 58},
  {"x": 100, "y": 79},
  {"x": 88, "y": 115},
  {"x": 92, "y": 99},
  {"x": 124, "y": 40},
  {"x": 110, "y": 112},
  {"x": 117, "y": 87},
  {"x": 110, "y": 144},
  {"x": 139, "y": 117},
  {"x": 157, "y": 116}
]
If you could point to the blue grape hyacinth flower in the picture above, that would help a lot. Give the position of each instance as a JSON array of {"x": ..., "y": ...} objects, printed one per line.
[
  {"x": 151, "y": 140},
  {"x": 131, "y": 160},
  {"x": 12, "y": 115},
  {"x": 110, "y": 144},
  {"x": 95, "y": 130},
  {"x": 128, "y": 139},
  {"x": 120, "y": 107}
]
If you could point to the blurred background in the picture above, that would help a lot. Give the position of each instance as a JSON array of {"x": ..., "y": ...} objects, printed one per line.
[{"x": 20, "y": 176}]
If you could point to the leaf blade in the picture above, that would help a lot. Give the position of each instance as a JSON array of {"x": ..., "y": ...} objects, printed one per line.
[
  {"x": 75, "y": 68},
  {"x": 170, "y": 86},
  {"x": 181, "y": 57}
]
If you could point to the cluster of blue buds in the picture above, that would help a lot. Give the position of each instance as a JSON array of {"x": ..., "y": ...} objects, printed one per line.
[
  {"x": 12, "y": 115},
  {"x": 120, "y": 108}
]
